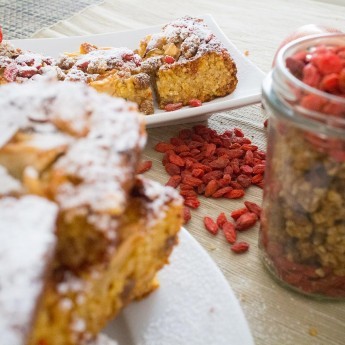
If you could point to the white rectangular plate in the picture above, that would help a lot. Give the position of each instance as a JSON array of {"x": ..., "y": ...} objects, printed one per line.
[{"x": 250, "y": 77}]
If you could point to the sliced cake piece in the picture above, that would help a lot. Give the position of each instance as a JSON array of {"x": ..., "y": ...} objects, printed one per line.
[
  {"x": 78, "y": 304},
  {"x": 27, "y": 249},
  {"x": 186, "y": 61},
  {"x": 78, "y": 148},
  {"x": 114, "y": 71}
]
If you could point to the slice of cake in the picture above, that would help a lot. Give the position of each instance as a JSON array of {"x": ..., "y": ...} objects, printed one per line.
[
  {"x": 186, "y": 61},
  {"x": 27, "y": 248},
  {"x": 114, "y": 71},
  {"x": 78, "y": 304},
  {"x": 78, "y": 148}
]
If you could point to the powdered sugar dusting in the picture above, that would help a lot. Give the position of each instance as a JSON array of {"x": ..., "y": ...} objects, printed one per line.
[
  {"x": 27, "y": 241},
  {"x": 102, "y": 340}
]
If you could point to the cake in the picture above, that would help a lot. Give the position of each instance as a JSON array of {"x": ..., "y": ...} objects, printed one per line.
[
  {"x": 17, "y": 65},
  {"x": 114, "y": 71},
  {"x": 187, "y": 61},
  {"x": 75, "y": 151}
]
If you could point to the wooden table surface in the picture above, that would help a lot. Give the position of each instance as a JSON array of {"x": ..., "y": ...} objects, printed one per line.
[{"x": 276, "y": 316}]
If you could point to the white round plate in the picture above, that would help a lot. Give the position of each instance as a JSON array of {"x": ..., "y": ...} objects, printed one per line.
[{"x": 193, "y": 306}]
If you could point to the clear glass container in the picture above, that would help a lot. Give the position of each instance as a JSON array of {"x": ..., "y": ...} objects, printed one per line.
[{"x": 302, "y": 235}]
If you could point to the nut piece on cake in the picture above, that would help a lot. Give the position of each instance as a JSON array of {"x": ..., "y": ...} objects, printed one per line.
[
  {"x": 186, "y": 61},
  {"x": 114, "y": 71}
]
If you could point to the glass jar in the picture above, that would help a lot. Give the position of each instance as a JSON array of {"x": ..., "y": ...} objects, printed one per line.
[{"x": 302, "y": 235}]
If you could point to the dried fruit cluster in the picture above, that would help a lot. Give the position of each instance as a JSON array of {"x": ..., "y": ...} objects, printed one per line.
[
  {"x": 202, "y": 162},
  {"x": 244, "y": 219}
]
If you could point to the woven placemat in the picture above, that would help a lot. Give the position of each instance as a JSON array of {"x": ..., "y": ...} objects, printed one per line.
[{"x": 22, "y": 18}]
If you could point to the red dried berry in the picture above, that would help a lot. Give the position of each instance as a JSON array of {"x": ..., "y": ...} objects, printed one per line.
[
  {"x": 259, "y": 169},
  {"x": 11, "y": 72},
  {"x": 212, "y": 175},
  {"x": 192, "y": 202},
  {"x": 238, "y": 132},
  {"x": 185, "y": 134},
  {"x": 169, "y": 59},
  {"x": 210, "y": 225},
  {"x": 249, "y": 157},
  {"x": 192, "y": 181},
  {"x": 188, "y": 193},
  {"x": 253, "y": 207},
  {"x": 163, "y": 147},
  {"x": 221, "y": 219},
  {"x": 219, "y": 163},
  {"x": 176, "y": 141},
  {"x": 186, "y": 215},
  {"x": 144, "y": 166},
  {"x": 229, "y": 232},
  {"x": 257, "y": 178},
  {"x": 195, "y": 103},
  {"x": 211, "y": 188},
  {"x": 220, "y": 192},
  {"x": 234, "y": 194},
  {"x": 181, "y": 148},
  {"x": 244, "y": 180},
  {"x": 246, "y": 221},
  {"x": 210, "y": 149},
  {"x": 240, "y": 247},
  {"x": 177, "y": 160},
  {"x": 311, "y": 75},
  {"x": 327, "y": 62},
  {"x": 238, "y": 213},
  {"x": 173, "y": 106},
  {"x": 174, "y": 181},
  {"x": 172, "y": 169}
]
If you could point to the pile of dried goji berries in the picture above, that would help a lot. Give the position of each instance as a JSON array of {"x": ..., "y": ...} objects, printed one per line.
[
  {"x": 244, "y": 218},
  {"x": 202, "y": 162}
]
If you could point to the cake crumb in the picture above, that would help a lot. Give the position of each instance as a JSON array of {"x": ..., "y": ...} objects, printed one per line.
[
  {"x": 313, "y": 331},
  {"x": 246, "y": 52}
]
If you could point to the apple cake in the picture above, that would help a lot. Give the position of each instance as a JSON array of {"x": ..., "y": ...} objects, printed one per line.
[{"x": 187, "y": 61}]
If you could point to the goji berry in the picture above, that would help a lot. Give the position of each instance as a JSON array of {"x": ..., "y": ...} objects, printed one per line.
[
  {"x": 246, "y": 169},
  {"x": 144, "y": 166},
  {"x": 240, "y": 247},
  {"x": 249, "y": 147},
  {"x": 244, "y": 180},
  {"x": 192, "y": 181},
  {"x": 172, "y": 169},
  {"x": 169, "y": 59},
  {"x": 221, "y": 219},
  {"x": 235, "y": 153},
  {"x": 295, "y": 66},
  {"x": 174, "y": 181},
  {"x": 229, "y": 232},
  {"x": 259, "y": 169},
  {"x": 327, "y": 62},
  {"x": 238, "y": 213},
  {"x": 177, "y": 160},
  {"x": 201, "y": 188},
  {"x": 186, "y": 215},
  {"x": 238, "y": 132},
  {"x": 253, "y": 207},
  {"x": 200, "y": 129},
  {"x": 219, "y": 163},
  {"x": 163, "y": 147},
  {"x": 246, "y": 221},
  {"x": 210, "y": 149},
  {"x": 198, "y": 172},
  {"x": 195, "y": 103},
  {"x": 311, "y": 75},
  {"x": 234, "y": 194},
  {"x": 210, "y": 225},
  {"x": 192, "y": 202},
  {"x": 330, "y": 83},
  {"x": 181, "y": 148},
  {"x": 257, "y": 178},
  {"x": 173, "y": 106},
  {"x": 220, "y": 192},
  {"x": 248, "y": 157},
  {"x": 186, "y": 186},
  {"x": 211, "y": 188},
  {"x": 188, "y": 193},
  {"x": 212, "y": 175},
  {"x": 236, "y": 185}
]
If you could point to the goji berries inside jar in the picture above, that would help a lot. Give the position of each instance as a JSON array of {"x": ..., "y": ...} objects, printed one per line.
[{"x": 302, "y": 237}]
